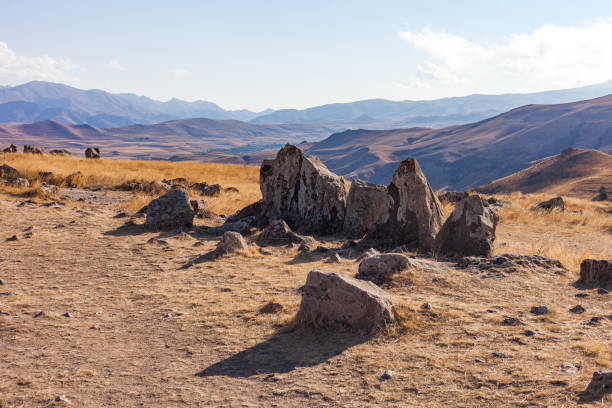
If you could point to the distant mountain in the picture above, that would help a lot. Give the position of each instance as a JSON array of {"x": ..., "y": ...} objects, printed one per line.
[
  {"x": 385, "y": 114},
  {"x": 183, "y": 139},
  {"x": 38, "y": 101},
  {"x": 574, "y": 172},
  {"x": 459, "y": 157}
]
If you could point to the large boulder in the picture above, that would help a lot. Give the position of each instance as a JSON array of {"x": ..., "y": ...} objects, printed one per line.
[
  {"x": 92, "y": 153},
  {"x": 303, "y": 192},
  {"x": 279, "y": 233},
  {"x": 600, "y": 385},
  {"x": 7, "y": 171},
  {"x": 556, "y": 203},
  {"x": 380, "y": 268},
  {"x": 410, "y": 215},
  {"x": 231, "y": 242},
  {"x": 172, "y": 210},
  {"x": 596, "y": 271},
  {"x": 470, "y": 229},
  {"x": 363, "y": 207},
  {"x": 334, "y": 299}
]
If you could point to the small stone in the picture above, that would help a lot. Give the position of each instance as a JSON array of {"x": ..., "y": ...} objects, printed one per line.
[
  {"x": 265, "y": 251},
  {"x": 529, "y": 333},
  {"x": 67, "y": 314},
  {"x": 539, "y": 310},
  {"x": 513, "y": 321},
  {"x": 491, "y": 311},
  {"x": 478, "y": 360},
  {"x": 1, "y": 282},
  {"x": 582, "y": 295},
  {"x": 577, "y": 309},
  {"x": 58, "y": 226},
  {"x": 426, "y": 306},
  {"x": 334, "y": 258},
  {"x": 13, "y": 238},
  {"x": 271, "y": 307},
  {"x": 30, "y": 228},
  {"x": 62, "y": 398},
  {"x": 122, "y": 214},
  {"x": 28, "y": 235},
  {"x": 569, "y": 368},
  {"x": 603, "y": 291},
  {"x": 39, "y": 314},
  {"x": 434, "y": 280},
  {"x": 595, "y": 320},
  {"x": 168, "y": 315},
  {"x": 387, "y": 375},
  {"x": 198, "y": 244},
  {"x": 500, "y": 355}
]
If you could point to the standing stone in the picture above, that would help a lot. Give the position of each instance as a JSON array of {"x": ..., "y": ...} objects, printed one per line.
[
  {"x": 334, "y": 299},
  {"x": 363, "y": 207},
  {"x": 92, "y": 153},
  {"x": 303, "y": 192},
  {"x": 470, "y": 229},
  {"x": 411, "y": 214},
  {"x": 171, "y": 210},
  {"x": 596, "y": 271},
  {"x": 600, "y": 385}
]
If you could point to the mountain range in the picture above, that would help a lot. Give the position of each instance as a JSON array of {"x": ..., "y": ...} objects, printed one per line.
[{"x": 38, "y": 101}]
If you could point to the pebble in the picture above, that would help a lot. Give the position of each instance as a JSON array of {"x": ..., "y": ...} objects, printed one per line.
[
  {"x": 603, "y": 291},
  {"x": 539, "y": 310},
  {"x": 569, "y": 368},
  {"x": 438, "y": 280},
  {"x": 387, "y": 375},
  {"x": 582, "y": 295},
  {"x": 529, "y": 333},
  {"x": 67, "y": 314},
  {"x": 39, "y": 314},
  {"x": 577, "y": 309},
  {"x": 426, "y": 306},
  {"x": 62, "y": 398},
  {"x": 1, "y": 282},
  {"x": 595, "y": 320},
  {"x": 500, "y": 355},
  {"x": 13, "y": 238},
  {"x": 512, "y": 321}
]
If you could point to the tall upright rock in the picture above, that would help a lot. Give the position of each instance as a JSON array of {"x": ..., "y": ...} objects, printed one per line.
[
  {"x": 303, "y": 192},
  {"x": 363, "y": 207},
  {"x": 410, "y": 214}
]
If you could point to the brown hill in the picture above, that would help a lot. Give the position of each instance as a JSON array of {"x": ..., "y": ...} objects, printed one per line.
[
  {"x": 574, "y": 172},
  {"x": 464, "y": 156}
]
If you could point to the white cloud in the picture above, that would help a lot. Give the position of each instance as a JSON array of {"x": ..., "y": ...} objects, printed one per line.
[
  {"x": 13, "y": 66},
  {"x": 114, "y": 64},
  {"x": 549, "y": 58},
  {"x": 178, "y": 73}
]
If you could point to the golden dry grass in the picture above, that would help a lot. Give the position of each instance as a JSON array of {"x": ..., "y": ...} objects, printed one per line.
[{"x": 147, "y": 331}]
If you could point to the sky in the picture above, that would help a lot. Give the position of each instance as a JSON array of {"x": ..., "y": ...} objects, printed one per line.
[{"x": 296, "y": 54}]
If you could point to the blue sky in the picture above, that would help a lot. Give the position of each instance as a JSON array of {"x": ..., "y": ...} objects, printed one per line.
[{"x": 295, "y": 54}]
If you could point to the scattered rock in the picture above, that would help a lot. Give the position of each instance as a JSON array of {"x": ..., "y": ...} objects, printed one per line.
[
  {"x": 92, "y": 153},
  {"x": 578, "y": 309},
  {"x": 596, "y": 271},
  {"x": 33, "y": 150},
  {"x": 513, "y": 321},
  {"x": 495, "y": 203},
  {"x": 582, "y": 295},
  {"x": 172, "y": 210},
  {"x": 569, "y": 368},
  {"x": 231, "y": 190},
  {"x": 40, "y": 314},
  {"x": 513, "y": 263},
  {"x": 556, "y": 203},
  {"x": 207, "y": 190},
  {"x": 387, "y": 375},
  {"x": 231, "y": 242},
  {"x": 410, "y": 215},
  {"x": 265, "y": 251},
  {"x": 334, "y": 299},
  {"x": 157, "y": 187},
  {"x": 539, "y": 310},
  {"x": 469, "y": 230},
  {"x": 363, "y": 207},
  {"x": 367, "y": 253},
  {"x": 452, "y": 196},
  {"x": 334, "y": 258},
  {"x": 308, "y": 244},
  {"x": 62, "y": 398},
  {"x": 600, "y": 384},
  {"x": 9, "y": 172},
  {"x": 426, "y": 306},
  {"x": 13, "y": 238}
]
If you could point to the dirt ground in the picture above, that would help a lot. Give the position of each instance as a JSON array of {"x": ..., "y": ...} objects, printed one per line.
[{"x": 148, "y": 327}]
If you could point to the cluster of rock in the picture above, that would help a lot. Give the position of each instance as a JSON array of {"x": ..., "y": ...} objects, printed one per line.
[{"x": 90, "y": 152}]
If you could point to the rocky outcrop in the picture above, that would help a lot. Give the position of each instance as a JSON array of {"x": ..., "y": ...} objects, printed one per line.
[
  {"x": 556, "y": 203},
  {"x": 303, "y": 192},
  {"x": 410, "y": 215},
  {"x": 363, "y": 207},
  {"x": 596, "y": 271},
  {"x": 92, "y": 153},
  {"x": 334, "y": 299},
  {"x": 600, "y": 385},
  {"x": 231, "y": 242},
  {"x": 172, "y": 210},
  {"x": 7, "y": 171},
  {"x": 469, "y": 231},
  {"x": 33, "y": 150},
  {"x": 11, "y": 149},
  {"x": 60, "y": 152}
]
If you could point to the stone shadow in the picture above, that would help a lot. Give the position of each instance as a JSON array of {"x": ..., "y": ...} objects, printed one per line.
[{"x": 286, "y": 351}]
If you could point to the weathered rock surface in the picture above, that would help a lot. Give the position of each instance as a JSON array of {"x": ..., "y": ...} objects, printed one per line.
[
  {"x": 92, "y": 153},
  {"x": 363, "y": 207},
  {"x": 303, "y": 192},
  {"x": 7, "y": 171},
  {"x": 600, "y": 385},
  {"x": 596, "y": 271},
  {"x": 231, "y": 242},
  {"x": 501, "y": 265},
  {"x": 334, "y": 299},
  {"x": 556, "y": 203},
  {"x": 171, "y": 210},
  {"x": 469, "y": 230},
  {"x": 411, "y": 214}
]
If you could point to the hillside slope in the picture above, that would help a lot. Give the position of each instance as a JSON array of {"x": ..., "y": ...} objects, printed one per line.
[
  {"x": 469, "y": 155},
  {"x": 574, "y": 172}
]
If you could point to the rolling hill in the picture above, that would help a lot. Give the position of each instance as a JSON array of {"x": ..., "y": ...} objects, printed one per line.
[
  {"x": 459, "y": 157},
  {"x": 573, "y": 172}
]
